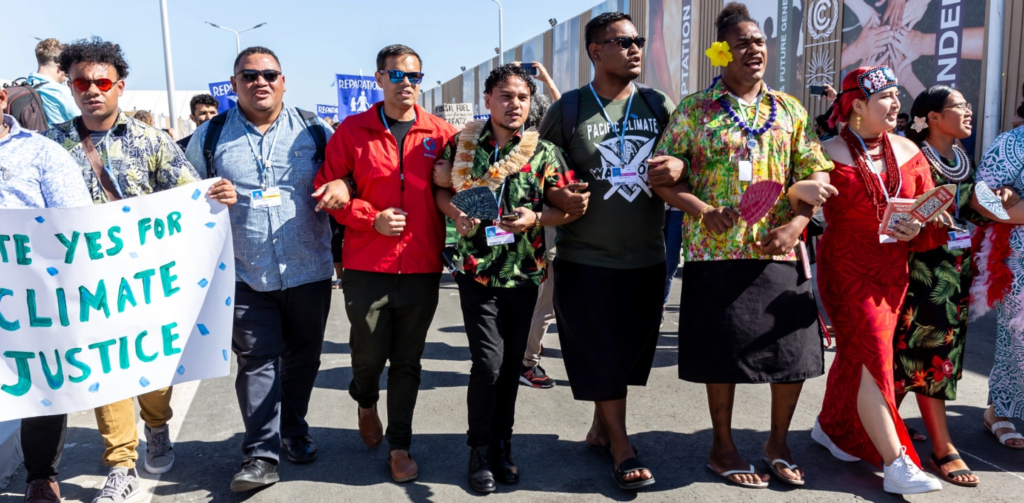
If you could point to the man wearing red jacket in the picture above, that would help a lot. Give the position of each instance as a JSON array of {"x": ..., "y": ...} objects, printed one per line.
[{"x": 394, "y": 236}]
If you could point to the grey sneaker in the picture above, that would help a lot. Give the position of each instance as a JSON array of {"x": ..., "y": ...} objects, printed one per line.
[
  {"x": 122, "y": 484},
  {"x": 159, "y": 453}
]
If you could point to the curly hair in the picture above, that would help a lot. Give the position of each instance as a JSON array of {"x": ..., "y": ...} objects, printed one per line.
[
  {"x": 93, "y": 50},
  {"x": 733, "y": 14},
  {"x": 502, "y": 73},
  {"x": 539, "y": 105},
  {"x": 202, "y": 99}
]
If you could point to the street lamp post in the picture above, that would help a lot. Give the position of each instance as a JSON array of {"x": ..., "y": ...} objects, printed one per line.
[
  {"x": 238, "y": 41},
  {"x": 501, "y": 37},
  {"x": 168, "y": 65}
]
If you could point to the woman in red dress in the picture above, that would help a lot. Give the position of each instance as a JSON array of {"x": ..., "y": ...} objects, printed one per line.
[{"x": 863, "y": 277}]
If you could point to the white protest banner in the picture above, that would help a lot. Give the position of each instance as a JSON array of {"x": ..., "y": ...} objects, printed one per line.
[
  {"x": 457, "y": 114},
  {"x": 102, "y": 303}
]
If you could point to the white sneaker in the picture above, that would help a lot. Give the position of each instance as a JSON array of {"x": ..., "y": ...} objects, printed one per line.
[
  {"x": 903, "y": 477},
  {"x": 821, "y": 437}
]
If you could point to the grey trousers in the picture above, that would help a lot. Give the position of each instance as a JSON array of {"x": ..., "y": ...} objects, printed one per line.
[{"x": 277, "y": 339}]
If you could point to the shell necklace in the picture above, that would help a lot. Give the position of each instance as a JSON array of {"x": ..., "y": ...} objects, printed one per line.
[
  {"x": 465, "y": 155},
  {"x": 956, "y": 174}
]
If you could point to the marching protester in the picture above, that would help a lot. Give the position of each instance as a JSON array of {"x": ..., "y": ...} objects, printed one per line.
[
  {"x": 608, "y": 130},
  {"x": 37, "y": 173},
  {"x": 502, "y": 261},
  {"x": 863, "y": 277},
  {"x": 929, "y": 342},
  {"x": 394, "y": 236},
  {"x": 202, "y": 107},
  {"x": 121, "y": 158},
  {"x": 49, "y": 81},
  {"x": 748, "y": 304},
  {"x": 282, "y": 260},
  {"x": 1000, "y": 284}
]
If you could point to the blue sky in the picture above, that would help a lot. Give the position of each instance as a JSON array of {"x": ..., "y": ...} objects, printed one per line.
[{"x": 314, "y": 39}]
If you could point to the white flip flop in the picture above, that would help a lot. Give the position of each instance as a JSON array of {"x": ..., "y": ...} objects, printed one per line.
[
  {"x": 751, "y": 471},
  {"x": 1005, "y": 436},
  {"x": 775, "y": 471}
]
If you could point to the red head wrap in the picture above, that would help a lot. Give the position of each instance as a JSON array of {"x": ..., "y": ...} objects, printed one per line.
[{"x": 851, "y": 92}]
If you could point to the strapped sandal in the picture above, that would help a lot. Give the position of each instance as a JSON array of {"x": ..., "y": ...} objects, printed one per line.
[
  {"x": 629, "y": 466},
  {"x": 937, "y": 464},
  {"x": 750, "y": 471},
  {"x": 1005, "y": 436},
  {"x": 916, "y": 436},
  {"x": 775, "y": 471},
  {"x": 605, "y": 451}
]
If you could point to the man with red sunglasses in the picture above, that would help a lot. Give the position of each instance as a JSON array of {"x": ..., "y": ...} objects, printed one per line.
[{"x": 121, "y": 158}]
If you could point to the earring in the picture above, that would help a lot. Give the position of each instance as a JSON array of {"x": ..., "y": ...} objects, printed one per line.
[{"x": 858, "y": 122}]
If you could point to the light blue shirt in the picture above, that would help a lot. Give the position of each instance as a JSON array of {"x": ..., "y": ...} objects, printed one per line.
[
  {"x": 279, "y": 247},
  {"x": 58, "y": 103},
  {"x": 37, "y": 173}
]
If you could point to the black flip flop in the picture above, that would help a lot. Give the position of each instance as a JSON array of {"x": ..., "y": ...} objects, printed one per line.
[
  {"x": 625, "y": 468},
  {"x": 949, "y": 477}
]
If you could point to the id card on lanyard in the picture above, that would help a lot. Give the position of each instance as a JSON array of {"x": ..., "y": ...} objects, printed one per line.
[
  {"x": 497, "y": 236},
  {"x": 265, "y": 196},
  {"x": 623, "y": 174},
  {"x": 959, "y": 232}
]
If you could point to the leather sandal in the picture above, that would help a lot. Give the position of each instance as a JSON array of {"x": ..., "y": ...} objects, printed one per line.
[
  {"x": 629, "y": 466},
  {"x": 937, "y": 464}
]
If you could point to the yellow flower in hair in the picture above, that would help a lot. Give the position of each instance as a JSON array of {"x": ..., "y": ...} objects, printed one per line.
[{"x": 719, "y": 54}]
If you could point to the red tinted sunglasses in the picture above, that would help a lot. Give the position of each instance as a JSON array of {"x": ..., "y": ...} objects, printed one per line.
[{"x": 103, "y": 85}]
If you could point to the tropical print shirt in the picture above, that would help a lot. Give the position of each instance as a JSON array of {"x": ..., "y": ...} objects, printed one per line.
[
  {"x": 139, "y": 158},
  {"x": 521, "y": 263},
  {"x": 702, "y": 132}
]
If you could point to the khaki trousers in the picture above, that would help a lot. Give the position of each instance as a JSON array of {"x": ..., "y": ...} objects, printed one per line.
[
  {"x": 544, "y": 310},
  {"x": 116, "y": 423}
]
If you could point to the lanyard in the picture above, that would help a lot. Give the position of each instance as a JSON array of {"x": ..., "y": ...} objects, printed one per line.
[
  {"x": 751, "y": 141},
  {"x": 875, "y": 170},
  {"x": 261, "y": 164},
  {"x": 621, "y": 134},
  {"x": 106, "y": 164},
  {"x": 501, "y": 190},
  {"x": 939, "y": 157},
  {"x": 385, "y": 121}
]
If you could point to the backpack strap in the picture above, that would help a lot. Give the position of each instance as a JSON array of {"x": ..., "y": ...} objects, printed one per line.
[
  {"x": 317, "y": 132},
  {"x": 655, "y": 103},
  {"x": 570, "y": 113},
  {"x": 210, "y": 141}
]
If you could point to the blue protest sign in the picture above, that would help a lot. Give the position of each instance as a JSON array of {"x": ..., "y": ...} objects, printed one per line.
[
  {"x": 325, "y": 111},
  {"x": 356, "y": 94},
  {"x": 226, "y": 97}
]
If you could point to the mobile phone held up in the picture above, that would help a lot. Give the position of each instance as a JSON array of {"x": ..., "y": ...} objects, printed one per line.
[
  {"x": 818, "y": 91},
  {"x": 529, "y": 68},
  {"x": 511, "y": 217}
]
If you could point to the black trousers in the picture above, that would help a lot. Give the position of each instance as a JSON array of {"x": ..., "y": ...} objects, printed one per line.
[
  {"x": 390, "y": 315},
  {"x": 498, "y": 327},
  {"x": 277, "y": 339},
  {"x": 42, "y": 440}
]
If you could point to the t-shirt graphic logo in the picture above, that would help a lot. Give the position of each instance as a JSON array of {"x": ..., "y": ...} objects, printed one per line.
[{"x": 638, "y": 150}]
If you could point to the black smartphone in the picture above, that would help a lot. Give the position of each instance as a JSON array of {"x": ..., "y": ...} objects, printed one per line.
[
  {"x": 529, "y": 68},
  {"x": 510, "y": 217},
  {"x": 818, "y": 91}
]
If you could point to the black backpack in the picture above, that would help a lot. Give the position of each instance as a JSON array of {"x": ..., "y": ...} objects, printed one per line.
[
  {"x": 213, "y": 131},
  {"x": 26, "y": 105},
  {"x": 571, "y": 109}
]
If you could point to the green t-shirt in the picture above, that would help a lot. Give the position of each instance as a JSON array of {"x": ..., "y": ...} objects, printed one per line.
[{"x": 623, "y": 226}]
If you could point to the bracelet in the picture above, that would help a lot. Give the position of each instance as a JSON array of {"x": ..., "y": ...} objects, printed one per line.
[
  {"x": 700, "y": 220},
  {"x": 536, "y": 221}
]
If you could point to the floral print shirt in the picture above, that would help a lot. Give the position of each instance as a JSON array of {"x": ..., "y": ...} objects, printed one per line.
[
  {"x": 702, "y": 132},
  {"x": 521, "y": 263},
  {"x": 139, "y": 158}
]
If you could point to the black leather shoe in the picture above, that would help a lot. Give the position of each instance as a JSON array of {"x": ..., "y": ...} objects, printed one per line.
[
  {"x": 501, "y": 462},
  {"x": 480, "y": 477},
  {"x": 299, "y": 450},
  {"x": 256, "y": 473}
]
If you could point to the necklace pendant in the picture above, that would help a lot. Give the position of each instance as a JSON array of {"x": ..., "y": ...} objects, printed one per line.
[{"x": 752, "y": 143}]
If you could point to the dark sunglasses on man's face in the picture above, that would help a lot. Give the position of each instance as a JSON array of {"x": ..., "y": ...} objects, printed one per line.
[
  {"x": 627, "y": 42},
  {"x": 396, "y": 77},
  {"x": 253, "y": 75},
  {"x": 103, "y": 85}
]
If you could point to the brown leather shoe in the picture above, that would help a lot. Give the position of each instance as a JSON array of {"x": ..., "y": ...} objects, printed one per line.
[
  {"x": 369, "y": 427},
  {"x": 403, "y": 468},
  {"x": 42, "y": 491}
]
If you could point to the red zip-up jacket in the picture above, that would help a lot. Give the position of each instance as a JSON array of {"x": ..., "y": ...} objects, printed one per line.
[{"x": 362, "y": 148}]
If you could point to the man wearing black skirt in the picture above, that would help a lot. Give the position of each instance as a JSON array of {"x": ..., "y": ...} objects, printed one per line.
[
  {"x": 611, "y": 262},
  {"x": 747, "y": 311}
]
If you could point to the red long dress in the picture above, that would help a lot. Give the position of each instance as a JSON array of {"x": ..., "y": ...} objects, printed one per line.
[{"x": 862, "y": 284}]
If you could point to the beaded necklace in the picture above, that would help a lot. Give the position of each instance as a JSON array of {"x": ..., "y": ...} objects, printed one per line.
[
  {"x": 957, "y": 173},
  {"x": 878, "y": 192}
]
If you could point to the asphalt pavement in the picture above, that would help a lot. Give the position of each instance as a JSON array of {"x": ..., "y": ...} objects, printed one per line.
[{"x": 668, "y": 422}]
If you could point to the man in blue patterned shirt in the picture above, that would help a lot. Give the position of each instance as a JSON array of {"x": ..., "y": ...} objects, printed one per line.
[
  {"x": 120, "y": 157},
  {"x": 282, "y": 259},
  {"x": 37, "y": 173}
]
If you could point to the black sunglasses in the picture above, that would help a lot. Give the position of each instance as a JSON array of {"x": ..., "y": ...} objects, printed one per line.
[
  {"x": 253, "y": 75},
  {"x": 397, "y": 76},
  {"x": 626, "y": 42}
]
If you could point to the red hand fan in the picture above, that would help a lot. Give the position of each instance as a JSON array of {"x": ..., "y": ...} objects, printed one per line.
[{"x": 758, "y": 200}]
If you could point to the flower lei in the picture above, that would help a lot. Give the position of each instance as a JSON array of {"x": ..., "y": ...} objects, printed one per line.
[
  {"x": 719, "y": 54},
  {"x": 465, "y": 155}
]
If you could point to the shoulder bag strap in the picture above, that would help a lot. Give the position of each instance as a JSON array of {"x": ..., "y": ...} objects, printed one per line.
[{"x": 94, "y": 160}]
